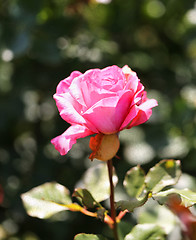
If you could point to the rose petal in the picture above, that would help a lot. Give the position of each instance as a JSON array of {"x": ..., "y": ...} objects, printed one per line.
[
  {"x": 96, "y": 84},
  {"x": 88, "y": 93},
  {"x": 145, "y": 111},
  {"x": 140, "y": 91},
  {"x": 76, "y": 91},
  {"x": 141, "y": 117},
  {"x": 71, "y": 111},
  {"x": 64, "y": 84},
  {"x": 64, "y": 142},
  {"x": 108, "y": 114},
  {"x": 149, "y": 103},
  {"x": 101, "y": 115},
  {"x": 132, "y": 82},
  {"x": 112, "y": 78},
  {"x": 69, "y": 108},
  {"x": 130, "y": 116}
]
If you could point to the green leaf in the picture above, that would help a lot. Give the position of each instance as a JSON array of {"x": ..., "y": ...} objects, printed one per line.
[
  {"x": 131, "y": 204},
  {"x": 85, "y": 196},
  {"x": 123, "y": 229},
  {"x": 154, "y": 213},
  {"x": 46, "y": 200},
  {"x": 163, "y": 174},
  {"x": 146, "y": 232},
  {"x": 135, "y": 186},
  {"x": 188, "y": 198},
  {"x": 88, "y": 201},
  {"x": 96, "y": 180},
  {"x": 134, "y": 181},
  {"x": 83, "y": 236}
]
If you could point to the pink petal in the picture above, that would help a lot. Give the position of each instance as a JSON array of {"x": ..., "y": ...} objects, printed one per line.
[
  {"x": 69, "y": 108},
  {"x": 108, "y": 114},
  {"x": 140, "y": 118},
  {"x": 130, "y": 116},
  {"x": 140, "y": 93},
  {"x": 122, "y": 108},
  {"x": 76, "y": 91},
  {"x": 112, "y": 78},
  {"x": 92, "y": 94},
  {"x": 101, "y": 115},
  {"x": 71, "y": 111},
  {"x": 64, "y": 84},
  {"x": 63, "y": 143},
  {"x": 149, "y": 103},
  {"x": 96, "y": 84},
  {"x": 132, "y": 82},
  {"x": 145, "y": 111}
]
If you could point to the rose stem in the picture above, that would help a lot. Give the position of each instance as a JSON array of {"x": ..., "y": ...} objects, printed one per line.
[{"x": 113, "y": 211}]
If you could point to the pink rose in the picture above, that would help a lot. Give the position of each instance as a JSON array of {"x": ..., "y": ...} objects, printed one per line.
[{"x": 102, "y": 102}]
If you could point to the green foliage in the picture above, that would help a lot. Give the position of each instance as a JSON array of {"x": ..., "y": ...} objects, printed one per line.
[
  {"x": 86, "y": 198},
  {"x": 135, "y": 187},
  {"x": 140, "y": 186},
  {"x": 46, "y": 200},
  {"x": 51, "y": 198},
  {"x": 83, "y": 236},
  {"x": 146, "y": 232},
  {"x": 154, "y": 213},
  {"x": 134, "y": 181},
  {"x": 131, "y": 204},
  {"x": 187, "y": 197},
  {"x": 163, "y": 174},
  {"x": 124, "y": 227}
]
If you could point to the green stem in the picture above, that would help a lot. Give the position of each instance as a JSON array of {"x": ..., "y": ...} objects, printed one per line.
[{"x": 113, "y": 211}]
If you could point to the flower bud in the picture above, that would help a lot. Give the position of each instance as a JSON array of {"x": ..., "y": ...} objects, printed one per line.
[{"x": 104, "y": 147}]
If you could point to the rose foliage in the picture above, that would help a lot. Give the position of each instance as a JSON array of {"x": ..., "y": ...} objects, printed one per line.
[{"x": 49, "y": 199}]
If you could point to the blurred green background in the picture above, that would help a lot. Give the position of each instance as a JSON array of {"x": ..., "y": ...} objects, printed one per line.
[{"x": 41, "y": 43}]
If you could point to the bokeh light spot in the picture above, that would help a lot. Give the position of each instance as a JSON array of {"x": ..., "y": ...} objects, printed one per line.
[
  {"x": 155, "y": 9},
  {"x": 140, "y": 153},
  {"x": 7, "y": 55}
]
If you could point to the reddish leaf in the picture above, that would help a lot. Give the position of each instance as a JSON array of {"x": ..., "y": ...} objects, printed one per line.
[{"x": 185, "y": 215}]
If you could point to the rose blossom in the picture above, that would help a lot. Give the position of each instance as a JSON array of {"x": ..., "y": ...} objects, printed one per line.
[{"x": 102, "y": 102}]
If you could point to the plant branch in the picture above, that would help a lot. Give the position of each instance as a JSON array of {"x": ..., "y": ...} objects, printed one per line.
[
  {"x": 113, "y": 211},
  {"x": 121, "y": 215}
]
